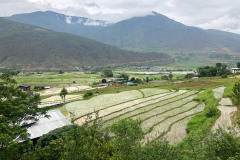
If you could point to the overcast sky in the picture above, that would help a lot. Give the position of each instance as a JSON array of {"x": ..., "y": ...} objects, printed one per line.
[{"x": 208, "y": 14}]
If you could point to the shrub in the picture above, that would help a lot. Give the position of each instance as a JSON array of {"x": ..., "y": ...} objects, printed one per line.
[
  {"x": 88, "y": 94},
  {"x": 189, "y": 75},
  {"x": 164, "y": 77},
  {"x": 211, "y": 111},
  {"x": 224, "y": 76}
]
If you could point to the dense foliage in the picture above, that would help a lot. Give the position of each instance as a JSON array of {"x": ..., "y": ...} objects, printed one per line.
[
  {"x": 124, "y": 75},
  {"x": 108, "y": 73},
  {"x": 236, "y": 91},
  {"x": 16, "y": 108},
  {"x": 123, "y": 140},
  {"x": 88, "y": 94},
  {"x": 212, "y": 71},
  {"x": 189, "y": 75}
]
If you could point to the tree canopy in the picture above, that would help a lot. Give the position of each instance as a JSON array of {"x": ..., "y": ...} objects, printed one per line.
[
  {"x": 108, "y": 73},
  {"x": 16, "y": 108},
  {"x": 63, "y": 93}
]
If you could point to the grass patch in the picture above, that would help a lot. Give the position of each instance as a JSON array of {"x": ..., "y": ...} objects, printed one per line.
[{"x": 204, "y": 120}]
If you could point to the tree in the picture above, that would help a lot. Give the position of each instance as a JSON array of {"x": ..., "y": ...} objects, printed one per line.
[
  {"x": 138, "y": 80},
  {"x": 238, "y": 64},
  {"x": 147, "y": 79},
  {"x": 189, "y": 75},
  {"x": 60, "y": 72},
  {"x": 63, "y": 93},
  {"x": 124, "y": 75},
  {"x": 88, "y": 94},
  {"x": 104, "y": 81},
  {"x": 164, "y": 77},
  {"x": 219, "y": 65},
  {"x": 236, "y": 91},
  {"x": 127, "y": 136},
  {"x": 16, "y": 107},
  {"x": 170, "y": 76},
  {"x": 108, "y": 73},
  {"x": 132, "y": 79}
]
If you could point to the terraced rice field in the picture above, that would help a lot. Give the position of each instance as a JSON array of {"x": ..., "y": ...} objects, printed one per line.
[
  {"x": 160, "y": 111},
  {"x": 225, "y": 120}
]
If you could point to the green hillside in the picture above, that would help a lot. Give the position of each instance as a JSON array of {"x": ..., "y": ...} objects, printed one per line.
[
  {"x": 26, "y": 46},
  {"x": 154, "y": 32}
]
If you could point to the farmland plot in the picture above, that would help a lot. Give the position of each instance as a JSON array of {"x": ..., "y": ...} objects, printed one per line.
[
  {"x": 164, "y": 108},
  {"x": 218, "y": 92},
  {"x": 226, "y": 119},
  {"x": 226, "y": 102},
  {"x": 154, "y": 117},
  {"x": 80, "y": 108},
  {"x": 178, "y": 131},
  {"x": 118, "y": 107},
  {"x": 163, "y": 126},
  {"x": 152, "y": 91},
  {"x": 144, "y": 107}
]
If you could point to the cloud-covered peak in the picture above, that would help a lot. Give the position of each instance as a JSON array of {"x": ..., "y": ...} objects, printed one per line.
[
  {"x": 190, "y": 12},
  {"x": 68, "y": 19}
]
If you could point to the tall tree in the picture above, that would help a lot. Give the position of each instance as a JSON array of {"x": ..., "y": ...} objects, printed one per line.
[
  {"x": 108, "y": 73},
  {"x": 124, "y": 75},
  {"x": 16, "y": 107},
  {"x": 170, "y": 76},
  {"x": 63, "y": 93},
  {"x": 147, "y": 79},
  {"x": 238, "y": 64}
]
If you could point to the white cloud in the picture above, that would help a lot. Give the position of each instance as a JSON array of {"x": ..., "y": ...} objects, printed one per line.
[
  {"x": 68, "y": 19},
  {"x": 225, "y": 23},
  {"x": 219, "y": 14}
]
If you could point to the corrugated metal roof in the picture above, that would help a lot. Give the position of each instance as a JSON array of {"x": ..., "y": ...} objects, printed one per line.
[
  {"x": 49, "y": 105},
  {"x": 45, "y": 125},
  {"x": 128, "y": 83}
]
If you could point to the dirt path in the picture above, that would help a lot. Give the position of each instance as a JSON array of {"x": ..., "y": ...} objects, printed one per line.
[
  {"x": 57, "y": 98},
  {"x": 53, "y": 91}
]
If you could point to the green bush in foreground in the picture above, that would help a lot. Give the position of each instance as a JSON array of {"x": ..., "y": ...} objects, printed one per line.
[{"x": 123, "y": 141}]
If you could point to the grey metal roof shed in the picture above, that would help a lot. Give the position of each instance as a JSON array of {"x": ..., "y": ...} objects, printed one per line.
[{"x": 45, "y": 125}]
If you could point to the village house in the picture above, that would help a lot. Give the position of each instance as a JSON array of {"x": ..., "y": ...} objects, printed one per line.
[
  {"x": 235, "y": 70},
  {"x": 25, "y": 87},
  {"x": 119, "y": 81}
]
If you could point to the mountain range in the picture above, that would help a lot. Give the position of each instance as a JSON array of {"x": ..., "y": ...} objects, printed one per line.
[
  {"x": 154, "y": 32},
  {"x": 24, "y": 46}
]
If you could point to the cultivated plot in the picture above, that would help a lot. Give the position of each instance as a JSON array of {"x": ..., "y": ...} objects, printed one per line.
[
  {"x": 115, "y": 109},
  {"x": 227, "y": 117},
  {"x": 163, "y": 126},
  {"x": 144, "y": 107},
  {"x": 178, "y": 131},
  {"x": 153, "y": 91},
  {"x": 218, "y": 92},
  {"x": 81, "y": 108}
]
